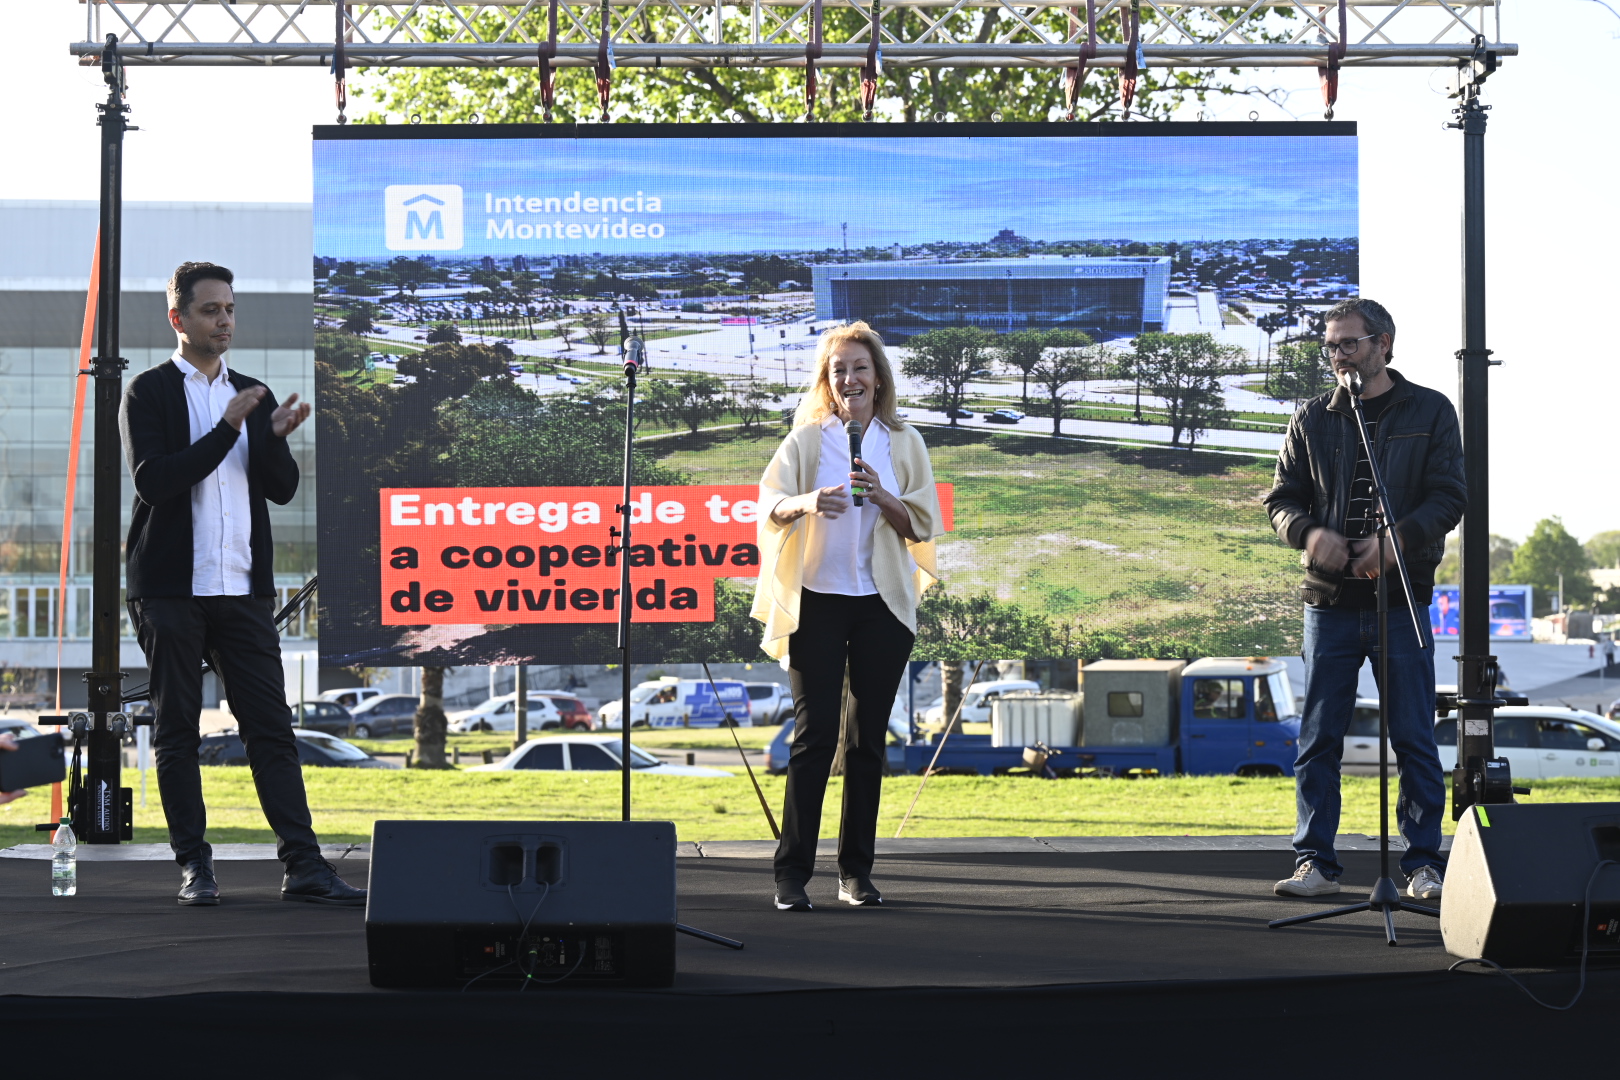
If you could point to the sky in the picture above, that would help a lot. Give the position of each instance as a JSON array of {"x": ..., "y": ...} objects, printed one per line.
[
  {"x": 243, "y": 135},
  {"x": 795, "y": 193}
]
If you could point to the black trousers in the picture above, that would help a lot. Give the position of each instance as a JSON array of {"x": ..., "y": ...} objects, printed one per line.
[
  {"x": 833, "y": 630},
  {"x": 237, "y": 635}
]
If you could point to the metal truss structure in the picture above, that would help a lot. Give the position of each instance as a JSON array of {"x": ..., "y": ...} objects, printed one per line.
[{"x": 1327, "y": 34}]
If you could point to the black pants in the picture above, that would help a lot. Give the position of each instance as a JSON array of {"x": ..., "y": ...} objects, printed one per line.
[
  {"x": 832, "y": 630},
  {"x": 237, "y": 635}
]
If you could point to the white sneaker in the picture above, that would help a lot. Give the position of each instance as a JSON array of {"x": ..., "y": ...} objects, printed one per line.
[
  {"x": 1307, "y": 881},
  {"x": 1425, "y": 884}
]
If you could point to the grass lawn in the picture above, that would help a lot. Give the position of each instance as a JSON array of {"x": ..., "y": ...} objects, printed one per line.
[
  {"x": 393, "y": 348},
  {"x": 347, "y": 801},
  {"x": 1144, "y": 541}
]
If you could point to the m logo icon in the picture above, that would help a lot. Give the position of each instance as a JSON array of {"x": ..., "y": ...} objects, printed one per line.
[{"x": 423, "y": 217}]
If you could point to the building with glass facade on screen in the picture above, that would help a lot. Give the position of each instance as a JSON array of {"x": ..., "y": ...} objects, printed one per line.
[
  {"x": 44, "y": 275},
  {"x": 1119, "y": 296}
]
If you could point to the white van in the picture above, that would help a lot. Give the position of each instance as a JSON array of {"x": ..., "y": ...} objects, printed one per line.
[{"x": 672, "y": 702}]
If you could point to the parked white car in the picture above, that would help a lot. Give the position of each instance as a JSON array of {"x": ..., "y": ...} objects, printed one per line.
[
  {"x": 1543, "y": 742},
  {"x": 670, "y": 702},
  {"x": 769, "y": 703},
  {"x": 1540, "y": 742},
  {"x": 500, "y": 714},
  {"x": 349, "y": 696},
  {"x": 589, "y": 753},
  {"x": 977, "y": 699}
]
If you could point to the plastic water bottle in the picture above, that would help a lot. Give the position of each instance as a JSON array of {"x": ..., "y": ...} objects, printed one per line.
[{"x": 64, "y": 861}]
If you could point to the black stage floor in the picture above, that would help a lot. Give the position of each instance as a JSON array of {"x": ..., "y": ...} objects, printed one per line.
[{"x": 1106, "y": 957}]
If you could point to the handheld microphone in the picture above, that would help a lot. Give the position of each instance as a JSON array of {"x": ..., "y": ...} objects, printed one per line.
[
  {"x": 1351, "y": 381},
  {"x": 854, "y": 430},
  {"x": 635, "y": 355}
]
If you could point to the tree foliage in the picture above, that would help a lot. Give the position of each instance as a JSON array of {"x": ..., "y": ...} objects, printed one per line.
[
  {"x": 1299, "y": 373},
  {"x": 1604, "y": 549},
  {"x": 501, "y": 435},
  {"x": 1054, "y": 373},
  {"x": 708, "y": 94},
  {"x": 1449, "y": 572},
  {"x": 1546, "y": 553},
  {"x": 598, "y": 328},
  {"x": 945, "y": 359},
  {"x": 1185, "y": 372},
  {"x": 444, "y": 333},
  {"x": 698, "y": 399},
  {"x": 1023, "y": 349}
]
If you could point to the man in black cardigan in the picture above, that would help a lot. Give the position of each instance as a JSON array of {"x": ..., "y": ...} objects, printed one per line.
[{"x": 207, "y": 446}]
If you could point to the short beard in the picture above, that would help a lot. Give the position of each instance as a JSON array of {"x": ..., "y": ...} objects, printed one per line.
[{"x": 207, "y": 347}]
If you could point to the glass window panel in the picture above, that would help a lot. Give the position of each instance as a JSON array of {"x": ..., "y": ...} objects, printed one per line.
[
  {"x": 546, "y": 755},
  {"x": 1218, "y": 699},
  {"x": 1364, "y": 725},
  {"x": 1124, "y": 703},
  {"x": 590, "y": 756}
]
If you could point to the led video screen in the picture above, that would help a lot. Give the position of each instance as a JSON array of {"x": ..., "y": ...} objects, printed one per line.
[{"x": 1099, "y": 330}]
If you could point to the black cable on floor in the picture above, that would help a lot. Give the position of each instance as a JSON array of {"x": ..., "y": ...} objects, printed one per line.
[{"x": 1586, "y": 930}]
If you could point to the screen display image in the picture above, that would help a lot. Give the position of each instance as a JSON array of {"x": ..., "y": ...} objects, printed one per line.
[
  {"x": 1510, "y": 612},
  {"x": 1100, "y": 332}
]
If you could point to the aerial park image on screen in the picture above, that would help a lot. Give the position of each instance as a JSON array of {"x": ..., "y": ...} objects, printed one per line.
[{"x": 1101, "y": 338}]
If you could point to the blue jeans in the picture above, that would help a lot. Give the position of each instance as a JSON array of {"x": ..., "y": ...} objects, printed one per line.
[{"x": 1337, "y": 641}]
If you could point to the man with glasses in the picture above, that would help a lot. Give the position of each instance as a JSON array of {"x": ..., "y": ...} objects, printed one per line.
[{"x": 1323, "y": 503}]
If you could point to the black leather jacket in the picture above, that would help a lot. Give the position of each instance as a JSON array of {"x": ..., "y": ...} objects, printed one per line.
[{"x": 1419, "y": 448}]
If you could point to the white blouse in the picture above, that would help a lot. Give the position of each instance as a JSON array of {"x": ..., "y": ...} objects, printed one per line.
[{"x": 838, "y": 551}]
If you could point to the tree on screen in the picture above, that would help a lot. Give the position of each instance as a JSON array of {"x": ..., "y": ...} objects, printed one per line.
[
  {"x": 705, "y": 94},
  {"x": 598, "y": 328},
  {"x": 359, "y": 319},
  {"x": 698, "y": 399},
  {"x": 946, "y": 359},
  {"x": 1054, "y": 372},
  {"x": 1184, "y": 371},
  {"x": 751, "y": 402},
  {"x": 1300, "y": 373},
  {"x": 1021, "y": 350},
  {"x": 444, "y": 333},
  {"x": 501, "y": 435}
]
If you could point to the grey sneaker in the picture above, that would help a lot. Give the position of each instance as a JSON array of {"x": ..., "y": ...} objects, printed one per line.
[
  {"x": 859, "y": 892},
  {"x": 1308, "y": 880},
  {"x": 1425, "y": 884},
  {"x": 790, "y": 896}
]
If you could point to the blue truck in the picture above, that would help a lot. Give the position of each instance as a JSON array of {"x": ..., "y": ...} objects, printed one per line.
[{"x": 1219, "y": 715}]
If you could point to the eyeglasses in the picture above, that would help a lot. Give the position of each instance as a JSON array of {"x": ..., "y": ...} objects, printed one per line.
[{"x": 1349, "y": 346}]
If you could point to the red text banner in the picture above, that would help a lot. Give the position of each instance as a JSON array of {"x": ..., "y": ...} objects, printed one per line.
[{"x": 494, "y": 556}]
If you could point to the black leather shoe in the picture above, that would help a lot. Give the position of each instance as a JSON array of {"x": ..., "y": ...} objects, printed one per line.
[
  {"x": 318, "y": 883},
  {"x": 790, "y": 896},
  {"x": 197, "y": 885},
  {"x": 859, "y": 892}
]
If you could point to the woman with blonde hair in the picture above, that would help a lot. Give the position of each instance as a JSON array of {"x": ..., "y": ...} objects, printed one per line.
[{"x": 838, "y": 586}]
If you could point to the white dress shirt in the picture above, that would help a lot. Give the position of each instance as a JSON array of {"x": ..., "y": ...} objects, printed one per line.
[
  {"x": 838, "y": 551},
  {"x": 221, "y": 517}
]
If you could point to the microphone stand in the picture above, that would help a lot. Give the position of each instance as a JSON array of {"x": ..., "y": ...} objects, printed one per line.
[
  {"x": 635, "y": 356},
  {"x": 1385, "y": 897},
  {"x": 636, "y": 351}
]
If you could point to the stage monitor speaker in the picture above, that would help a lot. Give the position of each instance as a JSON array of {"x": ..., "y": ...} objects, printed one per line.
[
  {"x": 449, "y": 901},
  {"x": 1516, "y": 882}
]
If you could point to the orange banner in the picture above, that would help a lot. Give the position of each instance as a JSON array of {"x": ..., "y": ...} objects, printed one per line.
[{"x": 487, "y": 556}]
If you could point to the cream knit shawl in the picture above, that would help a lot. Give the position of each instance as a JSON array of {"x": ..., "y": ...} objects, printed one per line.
[{"x": 792, "y": 471}]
